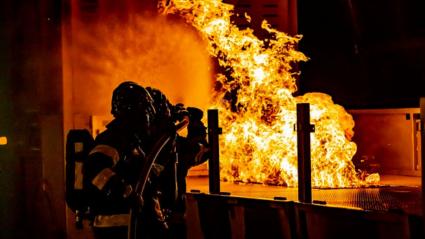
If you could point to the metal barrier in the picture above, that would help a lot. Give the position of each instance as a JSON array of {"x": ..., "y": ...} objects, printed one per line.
[
  {"x": 324, "y": 222},
  {"x": 228, "y": 217}
]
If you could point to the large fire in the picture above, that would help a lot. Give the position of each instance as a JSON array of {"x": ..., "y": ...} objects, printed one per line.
[{"x": 258, "y": 109}]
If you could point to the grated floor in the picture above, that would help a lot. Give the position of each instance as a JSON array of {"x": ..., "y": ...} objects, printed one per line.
[{"x": 396, "y": 193}]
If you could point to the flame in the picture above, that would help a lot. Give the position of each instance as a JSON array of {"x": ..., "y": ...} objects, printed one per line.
[{"x": 258, "y": 109}]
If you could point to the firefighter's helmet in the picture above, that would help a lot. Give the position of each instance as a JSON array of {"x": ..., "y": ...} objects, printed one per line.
[
  {"x": 132, "y": 102},
  {"x": 162, "y": 105}
]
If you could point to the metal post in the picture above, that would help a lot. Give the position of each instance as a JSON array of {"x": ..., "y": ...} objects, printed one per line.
[
  {"x": 422, "y": 125},
  {"x": 304, "y": 128},
  {"x": 213, "y": 163}
]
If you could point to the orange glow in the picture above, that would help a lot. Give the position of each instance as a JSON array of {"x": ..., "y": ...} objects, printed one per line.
[
  {"x": 151, "y": 50},
  {"x": 3, "y": 140},
  {"x": 259, "y": 142}
]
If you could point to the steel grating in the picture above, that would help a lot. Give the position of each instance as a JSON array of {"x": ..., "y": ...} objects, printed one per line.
[{"x": 384, "y": 198}]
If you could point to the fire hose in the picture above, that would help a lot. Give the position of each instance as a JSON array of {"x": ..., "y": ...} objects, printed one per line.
[{"x": 146, "y": 170}]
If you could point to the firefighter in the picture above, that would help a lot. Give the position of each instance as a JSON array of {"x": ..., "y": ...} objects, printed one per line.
[
  {"x": 141, "y": 116},
  {"x": 190, "y": 151}
]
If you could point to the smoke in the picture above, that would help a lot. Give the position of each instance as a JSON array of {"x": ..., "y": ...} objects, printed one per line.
[{"x": 154, "y": 51}]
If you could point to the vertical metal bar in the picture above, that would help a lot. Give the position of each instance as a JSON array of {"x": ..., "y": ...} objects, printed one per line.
[
  {"x": 213, "y": 163},
  {"x": 304, "y": 128},
  {"x": 422, "y": 125}
]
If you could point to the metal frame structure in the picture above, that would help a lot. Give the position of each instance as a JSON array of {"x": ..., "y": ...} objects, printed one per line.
[
  {"x": 302, "y": 219},
  {"x": 218, "y": 216},
  {"x": 214, "y": 163},
  {"x": 304, "y": 128}
]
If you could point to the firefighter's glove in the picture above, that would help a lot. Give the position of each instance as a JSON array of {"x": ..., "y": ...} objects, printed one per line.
[
  {"x": 179, "y": 112},
  {"x": 196, "y": 130},
  {"x": 195, "y": 114}
]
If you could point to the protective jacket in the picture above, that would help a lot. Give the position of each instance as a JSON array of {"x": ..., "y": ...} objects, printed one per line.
[
  {"x": 110, "y": 173},
  {"x": 112, "y": 170}
]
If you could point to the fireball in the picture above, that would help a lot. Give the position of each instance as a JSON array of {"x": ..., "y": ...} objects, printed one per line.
[{"x": 254, "y": 95}]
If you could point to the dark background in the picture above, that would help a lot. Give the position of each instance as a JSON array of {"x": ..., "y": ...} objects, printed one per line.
[{"x": 366, "y": 54}]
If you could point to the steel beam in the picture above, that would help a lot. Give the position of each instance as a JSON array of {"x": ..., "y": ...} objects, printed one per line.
[
  {"x": 214, "y": 162},
  {"x": 304, "y": 128}
]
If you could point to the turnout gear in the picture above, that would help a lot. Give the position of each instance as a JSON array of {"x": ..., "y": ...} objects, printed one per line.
[
  {"x": 114, "y": 162},
  {"x": 111, "y": 173}
]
